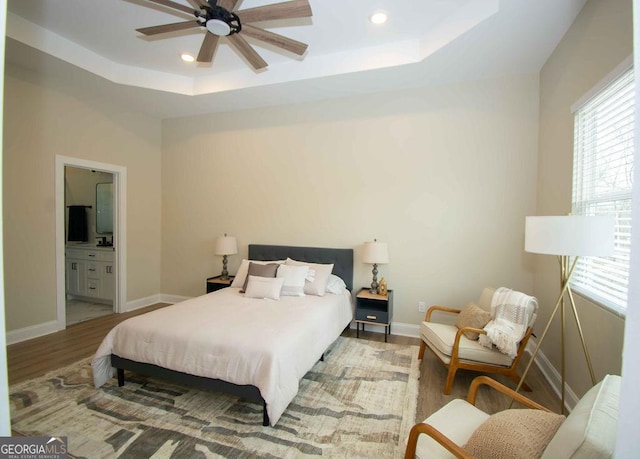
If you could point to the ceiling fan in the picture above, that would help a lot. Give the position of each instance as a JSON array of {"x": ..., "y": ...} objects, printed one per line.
[{"x": 219, "y": 20}]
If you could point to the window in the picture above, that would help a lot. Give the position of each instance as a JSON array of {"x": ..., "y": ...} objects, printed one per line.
[{"x": 602, "y": 185}]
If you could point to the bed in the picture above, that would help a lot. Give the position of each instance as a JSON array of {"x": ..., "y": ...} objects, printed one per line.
[{"x": 252, "y": 348}]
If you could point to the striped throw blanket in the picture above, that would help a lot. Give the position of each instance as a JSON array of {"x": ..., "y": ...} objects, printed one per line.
[{"x": 511, "y": 314}]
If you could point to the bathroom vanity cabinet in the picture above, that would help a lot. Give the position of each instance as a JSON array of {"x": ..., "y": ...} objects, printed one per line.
[{"x": 90, "y": 272}]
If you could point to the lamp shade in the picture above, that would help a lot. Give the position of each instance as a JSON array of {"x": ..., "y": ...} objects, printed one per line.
[
  {"x": 571, "y": 235},
  {"x": 226, "y": 245},
  {"x": 375, "y": 253}
]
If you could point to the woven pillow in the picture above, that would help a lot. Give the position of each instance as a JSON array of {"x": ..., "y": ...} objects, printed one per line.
[
  {"x": 514, "y": 434},
  {"x": 473, "y": 316}
]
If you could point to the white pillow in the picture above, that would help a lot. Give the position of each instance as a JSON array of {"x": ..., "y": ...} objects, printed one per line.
[
  {"x": 335, "y": 285},
  {"x": 294, "y": 277},
  {"x": 241, "y": 275},
  {"x": 264, "y": 287},
  {"x": 322, "y": 272}
]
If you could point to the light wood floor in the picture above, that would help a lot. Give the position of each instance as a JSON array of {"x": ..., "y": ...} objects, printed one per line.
[
  {"x": 433, "y": 375},
  {"x": 33, "y": 358},
  {"x": 38, "y": 356}
]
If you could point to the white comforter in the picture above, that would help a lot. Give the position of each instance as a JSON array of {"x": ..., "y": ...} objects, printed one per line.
[{"x": 223, "y": 335}]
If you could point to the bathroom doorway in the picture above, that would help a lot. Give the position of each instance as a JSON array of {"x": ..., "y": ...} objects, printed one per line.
[
  {"x": 89, "y": 251},
  {"x": 90, "y": 200}
]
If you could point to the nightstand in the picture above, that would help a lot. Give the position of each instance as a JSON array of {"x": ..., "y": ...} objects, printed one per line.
[
  {"x": 374, "y": 309},
  {"x": 216, "y": 283}
]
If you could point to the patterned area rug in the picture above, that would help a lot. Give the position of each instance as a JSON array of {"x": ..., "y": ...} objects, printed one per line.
[{"x": 359, "y": 402}]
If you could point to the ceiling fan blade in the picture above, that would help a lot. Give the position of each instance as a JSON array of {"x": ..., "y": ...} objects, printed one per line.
[
  {"x": 197, "y": 4},
  {"x": 174, "y": 5},
  {"x": 247, "y": 51},
  {"x": 228, "y": 5},
  {"x": 274, "y": 39},
  {"x": 284, "y": 10},
  {"x": 208, "y": 48},
  {"x": 155, "y": 30}
]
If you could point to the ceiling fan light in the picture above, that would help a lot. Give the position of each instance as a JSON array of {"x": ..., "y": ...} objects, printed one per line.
[
  {"x": 187, "y": 57},
  {"x": 379, "y": 17},
  {"x": 218, "y": 27}
]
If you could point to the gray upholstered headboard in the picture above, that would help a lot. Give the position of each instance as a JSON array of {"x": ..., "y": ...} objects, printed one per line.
[{"x": 342, "y": 259}]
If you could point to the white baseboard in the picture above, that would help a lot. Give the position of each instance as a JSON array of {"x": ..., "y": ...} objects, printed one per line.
[
  {"x": 397, "y": 328},
  {"x": 32, "y": 331},
  {"x": 552, "y": 376},
  {"x": 142, "y": 302},
  {"x": 173, "y": 299},
  {"x": 35, "y": 331},
  {"x": 155, "y": 299},
  {"x": 402, "y": 329}
]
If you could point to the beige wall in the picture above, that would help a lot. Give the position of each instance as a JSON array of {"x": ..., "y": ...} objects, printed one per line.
[
  {"x": 444, "y": 175},
  {"x": 599, "y": 39},
  {"x": 44, "y": 118}
]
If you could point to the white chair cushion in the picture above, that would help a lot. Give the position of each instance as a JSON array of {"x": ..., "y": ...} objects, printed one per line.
[
  {"x": 441, "y": 337},
  {"x": 590, "y": 429},
  {"x": 456, "y": 420}
]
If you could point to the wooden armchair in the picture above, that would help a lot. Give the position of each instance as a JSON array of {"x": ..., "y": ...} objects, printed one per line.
[
  {"x": 456, "y": 351},
  {"x": 475, "y": 420},
  {"x": 589, "y": 431}
]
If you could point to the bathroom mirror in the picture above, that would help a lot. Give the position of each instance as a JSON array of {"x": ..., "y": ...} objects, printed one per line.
[{"x": 104, "y": 208}]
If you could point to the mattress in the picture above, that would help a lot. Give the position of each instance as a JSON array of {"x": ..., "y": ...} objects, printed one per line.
[{"x": 224, "y": 335}]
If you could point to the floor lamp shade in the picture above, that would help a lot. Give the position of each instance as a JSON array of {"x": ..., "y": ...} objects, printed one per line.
[
  {"x": 568, "y": 237},
  {"x": 571, "y": 235}
]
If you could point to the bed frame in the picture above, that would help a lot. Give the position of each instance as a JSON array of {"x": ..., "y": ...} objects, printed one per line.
[{"x": 342, "y": 260}]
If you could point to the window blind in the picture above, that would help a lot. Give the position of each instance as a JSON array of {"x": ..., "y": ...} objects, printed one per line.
[{"x": 602, "y": 185}]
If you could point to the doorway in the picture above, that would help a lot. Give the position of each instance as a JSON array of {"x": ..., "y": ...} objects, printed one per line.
[{"x": 89, "y": 249}]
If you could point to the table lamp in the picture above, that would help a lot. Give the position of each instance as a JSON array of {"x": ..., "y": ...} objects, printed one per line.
[
  {"x": 225, "y": 245},
  {"x": 375, "y": 253}
]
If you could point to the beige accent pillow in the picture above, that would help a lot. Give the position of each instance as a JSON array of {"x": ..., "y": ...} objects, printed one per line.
[
  {"x": 260, "y": 270},
  {"x": 294, "y": 278},
  {"x": 514, "y": 434},
  {"x": 473, "y": 316},
  {"x": 317, "y": 286}
]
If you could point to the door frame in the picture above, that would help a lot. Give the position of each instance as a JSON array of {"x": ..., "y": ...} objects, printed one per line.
[{"x": 119, "y": 231}]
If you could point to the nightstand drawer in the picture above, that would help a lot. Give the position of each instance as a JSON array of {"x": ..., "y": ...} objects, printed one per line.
[
  {"x": 372, "y": 315},
  {"x": 374, "y": 309}
]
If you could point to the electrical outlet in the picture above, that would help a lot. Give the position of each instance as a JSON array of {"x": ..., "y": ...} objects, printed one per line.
[{"x": 422, "y": 306}]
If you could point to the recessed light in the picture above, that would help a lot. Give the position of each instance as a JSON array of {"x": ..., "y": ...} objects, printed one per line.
[
  {"x": 378, "y": 18},
  {"x": 187, "y": 57}
]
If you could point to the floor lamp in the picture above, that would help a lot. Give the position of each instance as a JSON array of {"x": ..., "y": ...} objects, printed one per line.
[{"x": 569, "y": 238}]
